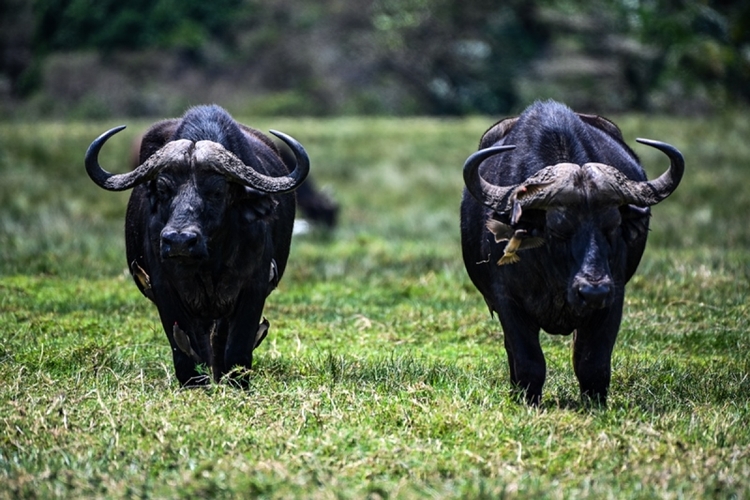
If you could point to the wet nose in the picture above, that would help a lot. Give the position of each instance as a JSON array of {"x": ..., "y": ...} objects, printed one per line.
[
  {"x": 185, "y": 243},
  {"x": 595, "y": 295}
]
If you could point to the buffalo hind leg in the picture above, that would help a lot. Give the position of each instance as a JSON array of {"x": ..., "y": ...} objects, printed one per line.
[{"x": 525, "y": 357}]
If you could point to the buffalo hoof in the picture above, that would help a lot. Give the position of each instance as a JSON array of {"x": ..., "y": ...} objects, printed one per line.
[{"x": 194, "y": 381}]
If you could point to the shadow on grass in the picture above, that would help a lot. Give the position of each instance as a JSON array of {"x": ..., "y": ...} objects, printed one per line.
[
  {"x": 387, "y": 373},
  {"x": 655, "y": 387}
]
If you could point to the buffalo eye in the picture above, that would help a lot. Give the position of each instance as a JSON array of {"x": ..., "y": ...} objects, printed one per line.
[
  {"x": 560, "y": 225},
  {"x": 164, "y": 189},
  {"x": 215, "y": 190},
  {"x": 610, "y": 222},
  {"x": 214, "y": 195}
]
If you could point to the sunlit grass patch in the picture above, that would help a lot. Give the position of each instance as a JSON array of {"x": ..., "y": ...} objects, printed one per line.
[{"x": 383, "y": 373}]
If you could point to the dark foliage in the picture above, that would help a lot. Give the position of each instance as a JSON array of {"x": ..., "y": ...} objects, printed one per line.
[
  {"x": 375, "y": 56},
  {"x": 112, "y": 24}
]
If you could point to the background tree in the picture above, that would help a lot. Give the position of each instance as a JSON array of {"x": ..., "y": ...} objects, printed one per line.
[
  {"x": 447, "y": 57},
  {"x": 16, "y": 26}
]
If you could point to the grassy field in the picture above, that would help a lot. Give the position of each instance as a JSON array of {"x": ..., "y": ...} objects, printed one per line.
[{"x": 383, "y": 375}]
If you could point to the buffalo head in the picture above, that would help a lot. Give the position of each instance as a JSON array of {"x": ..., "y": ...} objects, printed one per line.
[
  {"x": 193, "y": 183},
  {"x": 582, "y": 207}
]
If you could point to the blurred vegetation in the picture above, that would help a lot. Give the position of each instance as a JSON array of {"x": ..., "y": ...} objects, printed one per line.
[
  {"x": 442, "y": 57},
  {"x": 137, "y": 24}
]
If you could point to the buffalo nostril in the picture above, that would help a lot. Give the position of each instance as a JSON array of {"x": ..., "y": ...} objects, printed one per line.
[
  {"x": 595, "y": 295},
  {"x": 180, "y": 238},
  {"x": 181, "y": 244}
]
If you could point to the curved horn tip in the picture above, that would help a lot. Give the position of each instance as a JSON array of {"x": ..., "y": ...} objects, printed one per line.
[
  {"x": 666, "y": 183},
  {"x": 648, "y": 142},
  {"x": 297, "y": 148},
  {"x": 109, "y": 133},
  {"x": 662, "y": 146},
  {"x": 284, "y": 137},
  {"x": 498, "y": 149},
  {"x": 489, "y": 195},
  {"x": 119, "y": 127},
  {"x": 302, "y": 169},
  {"x": 292, "y": 143},
  {"x": 672, "y": 152},
  {"x": 483, "y": 154},
  {"x": 97, "y": 143}
]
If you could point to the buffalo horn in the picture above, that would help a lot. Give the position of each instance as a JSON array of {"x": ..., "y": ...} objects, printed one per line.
[
  {"x": 215, "y": 154},
  {"x": 553, "y": 182},
  {"x": 649, "y": 193},
  {"x": 206, "y": 152},
  {"x": 484, "y": 192},
  {"x": 615, "y": 187},
  {"x": 174, "y": 151}
]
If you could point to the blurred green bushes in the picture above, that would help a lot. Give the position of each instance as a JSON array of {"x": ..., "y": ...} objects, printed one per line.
[
  {"x": 440, "y": 57},
  {"x": 108, "y": 25}
]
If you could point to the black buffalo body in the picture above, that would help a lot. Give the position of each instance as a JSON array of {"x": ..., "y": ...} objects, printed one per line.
[
  {"x": 554, "y": 220},
  {"x": 207, "y": 230}
]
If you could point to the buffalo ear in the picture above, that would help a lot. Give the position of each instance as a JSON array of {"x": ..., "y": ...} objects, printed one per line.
[
  {"x": 156, "y": 137},
  {"x": 634, "y": 222},
  {"x": 497, "y": 132},
  {"x": 602, "y": 124},
  {"x": 259, "y": 205}
]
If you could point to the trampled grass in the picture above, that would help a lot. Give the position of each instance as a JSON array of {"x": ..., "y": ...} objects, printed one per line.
[{"x": 383, "y": 375}]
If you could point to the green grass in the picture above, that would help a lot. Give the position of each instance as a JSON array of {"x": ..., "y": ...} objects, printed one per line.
[{"x": 383, "y": 375}]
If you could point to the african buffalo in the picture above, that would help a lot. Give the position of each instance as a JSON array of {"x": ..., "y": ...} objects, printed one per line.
[
  {"x": 554, "y": 220},
  {"x": 207, "y": 232}
]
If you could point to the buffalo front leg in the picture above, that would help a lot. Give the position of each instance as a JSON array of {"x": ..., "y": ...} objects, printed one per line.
[
  {"x": 183, "y": 333},
  {"x": 184, "y": 351},
  {"x": 525, "y": 357},
  {"x": 243, "y": 328},
  {"x": 592, "y": 353}
]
